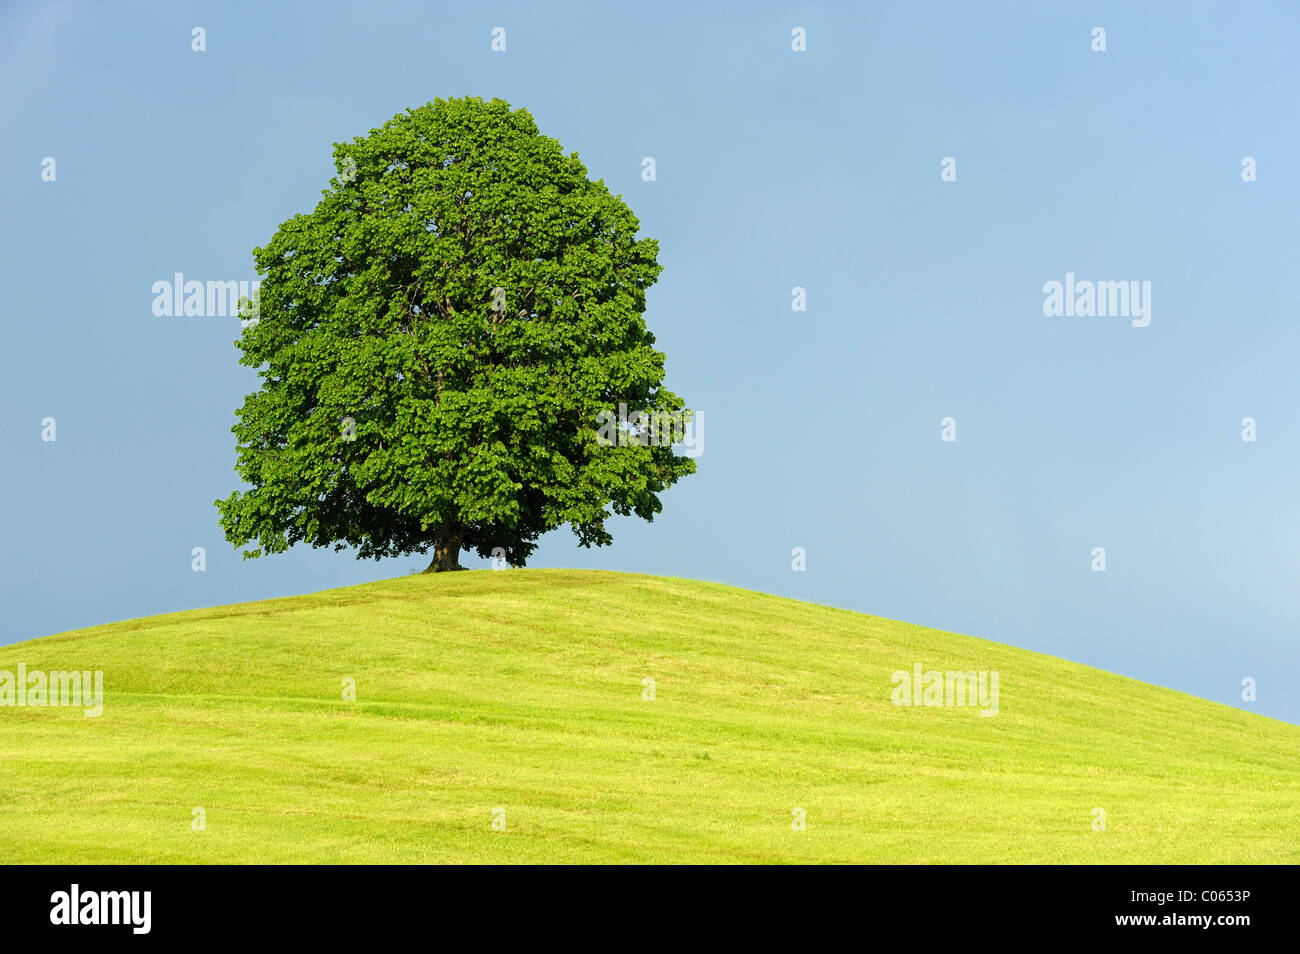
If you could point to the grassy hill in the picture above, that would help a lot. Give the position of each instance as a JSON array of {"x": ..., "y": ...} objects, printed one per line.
[{"x": 522, "y": 690}]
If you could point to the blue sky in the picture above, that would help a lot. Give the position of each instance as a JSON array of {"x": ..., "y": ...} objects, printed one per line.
[{"x": 775, "y": 169}]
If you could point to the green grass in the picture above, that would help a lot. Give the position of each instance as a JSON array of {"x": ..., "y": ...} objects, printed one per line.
[{"x": 523, "y": 690}]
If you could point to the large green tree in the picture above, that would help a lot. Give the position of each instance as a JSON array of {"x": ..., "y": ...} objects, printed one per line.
[{"x": 436, "y": 342}]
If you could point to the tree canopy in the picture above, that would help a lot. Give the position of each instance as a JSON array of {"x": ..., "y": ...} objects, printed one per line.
[{"x": 436, "y": 342}]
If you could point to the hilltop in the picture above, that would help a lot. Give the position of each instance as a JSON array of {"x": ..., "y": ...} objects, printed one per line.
[{"x": 521, "y": 697}]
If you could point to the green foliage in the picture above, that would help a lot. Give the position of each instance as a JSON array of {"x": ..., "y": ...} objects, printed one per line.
[{"x": 468, "y": 301}]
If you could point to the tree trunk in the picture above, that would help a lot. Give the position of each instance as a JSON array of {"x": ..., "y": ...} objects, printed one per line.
[{"x": 446, "y": 550}]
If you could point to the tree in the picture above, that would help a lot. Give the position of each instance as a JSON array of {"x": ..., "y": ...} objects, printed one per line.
[{"x": 436, "y": 342}]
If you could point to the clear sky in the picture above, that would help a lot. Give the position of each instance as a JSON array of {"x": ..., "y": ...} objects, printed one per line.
[{"x": 774, "y": 169}]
